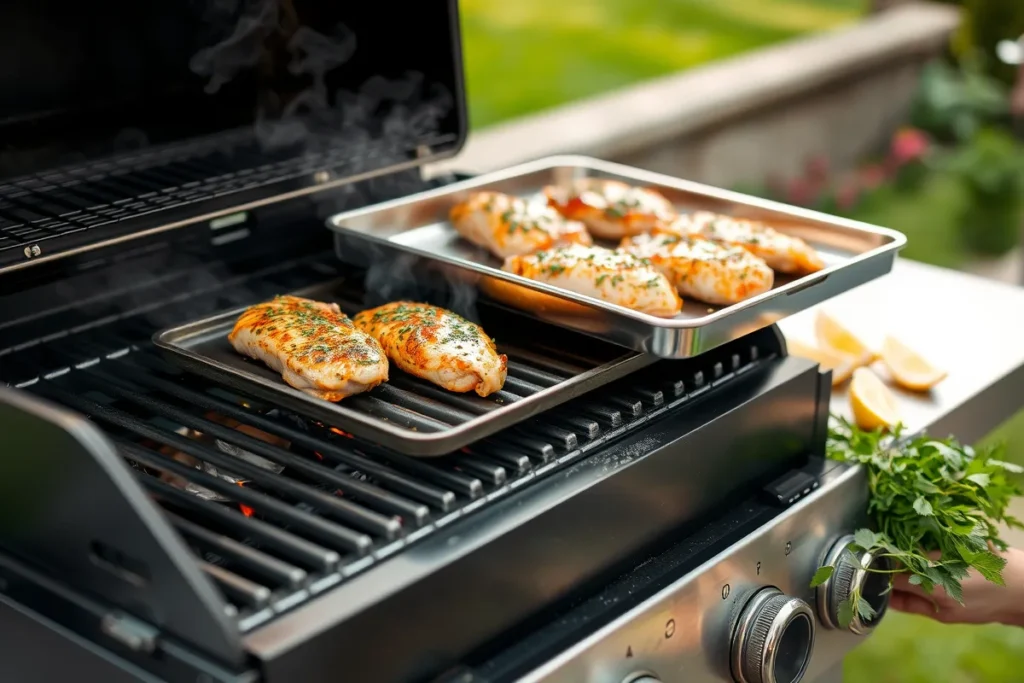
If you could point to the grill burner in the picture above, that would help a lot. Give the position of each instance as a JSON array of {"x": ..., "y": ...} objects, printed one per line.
[{"x": 317, "y": 506}]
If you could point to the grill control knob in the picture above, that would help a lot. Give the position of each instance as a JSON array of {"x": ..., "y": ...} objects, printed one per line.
[
  {"x": 851, "y": 575},
  {"x": 773, "y": 639}
]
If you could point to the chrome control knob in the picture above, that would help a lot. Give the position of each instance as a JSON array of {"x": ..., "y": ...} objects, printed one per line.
[
  {"x": 773, "y": 639},
  {"x": 852, "y": 575},
  {"x": 641, "y": 678}
]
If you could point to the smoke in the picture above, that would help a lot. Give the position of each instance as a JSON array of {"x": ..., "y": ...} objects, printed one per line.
[
  {"x": 396, "y": 276},
  {"x": 375, "y": 122},
  {"x": 242, "y": 49}
]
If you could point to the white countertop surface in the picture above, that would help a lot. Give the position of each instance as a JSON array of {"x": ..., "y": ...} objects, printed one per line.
[{"x": 972, "y": 327}]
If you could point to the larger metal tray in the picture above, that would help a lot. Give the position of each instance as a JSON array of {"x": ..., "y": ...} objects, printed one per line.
[
  {"x": 547, "y": 367},
  {"x": 416, "y": 228}
]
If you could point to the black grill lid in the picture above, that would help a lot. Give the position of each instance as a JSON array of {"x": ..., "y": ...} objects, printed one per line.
[{"x": 118, "y": 116}]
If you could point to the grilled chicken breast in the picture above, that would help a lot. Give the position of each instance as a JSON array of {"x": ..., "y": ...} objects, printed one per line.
[
  {"x": 783, "y": 253},
  {"x": 314, "y": 346},
  {"x": 508, "y": 226},
  {"x": 436, "y": 345},
  {"x": 610, "y": 209},
  {"x": 616, "y": 277},
  {"x": 702, "y": 269}
]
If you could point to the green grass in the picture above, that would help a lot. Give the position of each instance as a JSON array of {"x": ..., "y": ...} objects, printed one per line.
[
  {"x": 910, "y": 649},
  {"x": 524, "y": 56}
]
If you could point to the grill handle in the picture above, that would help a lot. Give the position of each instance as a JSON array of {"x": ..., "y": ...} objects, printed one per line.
[{"x": 70, "y": 506}]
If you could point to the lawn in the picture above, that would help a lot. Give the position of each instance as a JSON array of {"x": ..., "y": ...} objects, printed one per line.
[{"x": 529, "y": 55}]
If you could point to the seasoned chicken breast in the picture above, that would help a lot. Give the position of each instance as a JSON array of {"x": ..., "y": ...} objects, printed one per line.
[
  {"x": 702, "y": 269},
  {"x": 610, "y": 209},
  {"x": 314, "y": 346},
  {"x": 508, "y": 226},
  {"x": 783, "y": 253},
  {"x": 436, "y": 345},
  {"x": 616, "y": 277}
]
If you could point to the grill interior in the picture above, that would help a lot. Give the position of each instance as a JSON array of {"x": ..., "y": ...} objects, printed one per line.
[
  {"x": 278, "y": 506},
  {"x": 76, "y": 202}
]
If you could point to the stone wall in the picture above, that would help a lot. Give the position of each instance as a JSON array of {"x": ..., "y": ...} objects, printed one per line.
[{"x": 836, "y": 95}]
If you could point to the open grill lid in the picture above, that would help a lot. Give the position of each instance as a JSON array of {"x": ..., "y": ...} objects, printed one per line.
[{"x": 122, "y": 119}]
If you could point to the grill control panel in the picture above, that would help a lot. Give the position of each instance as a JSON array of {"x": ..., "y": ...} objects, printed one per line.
[
  {"x": 748, "y": 614},
  {"x": 853, "y": 575}
]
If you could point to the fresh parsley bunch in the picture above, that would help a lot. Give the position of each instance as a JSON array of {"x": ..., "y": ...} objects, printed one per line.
[{"x": 927, "y": 495}]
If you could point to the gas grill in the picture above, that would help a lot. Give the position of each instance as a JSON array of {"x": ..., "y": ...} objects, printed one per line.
[{"x": 609, "y": 516}]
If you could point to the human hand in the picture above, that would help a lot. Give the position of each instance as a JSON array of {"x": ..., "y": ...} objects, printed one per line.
[{"x": 984, "y": 601}]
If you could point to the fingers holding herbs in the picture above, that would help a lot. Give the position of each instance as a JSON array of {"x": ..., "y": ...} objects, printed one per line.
[
  {"x": 936, "y": 507},
  {"x": 983, "y": 601}
]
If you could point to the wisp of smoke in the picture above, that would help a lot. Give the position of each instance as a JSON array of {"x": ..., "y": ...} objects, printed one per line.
[{"x": 396, "y": 276}]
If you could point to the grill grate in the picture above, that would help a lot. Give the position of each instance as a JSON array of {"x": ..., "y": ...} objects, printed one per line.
[
  {"x": 65, "y": 204},
  {"x": 412, "y": 415},
  {"x": 283, "y": 507}
]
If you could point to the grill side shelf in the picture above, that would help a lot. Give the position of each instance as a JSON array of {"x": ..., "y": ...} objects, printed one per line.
[{"x": 70, "y": 504}]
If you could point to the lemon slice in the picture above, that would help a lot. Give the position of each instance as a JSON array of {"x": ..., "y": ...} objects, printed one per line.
[
  {"x": 908, "y": 368},
  {"x": 841, "y": 365},
  {"x": 835, "y": 336},
  {"x": 873, "y": 403}
]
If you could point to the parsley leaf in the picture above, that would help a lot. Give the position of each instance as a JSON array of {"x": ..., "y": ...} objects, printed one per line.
[
  {"x": 821, "y": 576},
  {"x": 935, "y": 507}
]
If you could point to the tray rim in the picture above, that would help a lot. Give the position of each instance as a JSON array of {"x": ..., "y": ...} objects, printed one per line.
[
  {"x": 378, "y": 430},
  {"x": 896, "y": 240}
]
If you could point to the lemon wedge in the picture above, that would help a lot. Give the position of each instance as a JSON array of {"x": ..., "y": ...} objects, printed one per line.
[
  {"x": 873, "y": 403},
  {"x": 841, "y": 365},
  {"x": 908, "y": 368},
  {"x": 835, "y": 336}
]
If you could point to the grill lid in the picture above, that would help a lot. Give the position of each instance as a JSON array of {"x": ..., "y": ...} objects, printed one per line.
[{"x": 122, "y": 118}]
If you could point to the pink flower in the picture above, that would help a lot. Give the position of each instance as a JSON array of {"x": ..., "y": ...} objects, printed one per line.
[
  {"x": 801, "y": 192},
  {"x": 848, "y": 194},
  {"x": 817, "y": 168},
  {"x": 872, "y": 176},
  {"x": 908, "y": 144}
]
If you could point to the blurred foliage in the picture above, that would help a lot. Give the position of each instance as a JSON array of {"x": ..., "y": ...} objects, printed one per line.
[
  {"x": 528, "y": 55},
  {"x": 952, "y": 103},
  {"x": 985, "y": 23},
  {"x": 991, "y": 167}
]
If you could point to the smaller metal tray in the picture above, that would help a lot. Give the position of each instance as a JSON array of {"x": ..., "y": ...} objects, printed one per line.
[
  {"x": 416, "y": 229},
  {"x": 546, "y": 367}
]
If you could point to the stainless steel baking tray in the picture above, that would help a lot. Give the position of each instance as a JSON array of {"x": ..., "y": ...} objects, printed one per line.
[
  {"x": 416, "y": 228},
  {"x": 546, "y": 368}
]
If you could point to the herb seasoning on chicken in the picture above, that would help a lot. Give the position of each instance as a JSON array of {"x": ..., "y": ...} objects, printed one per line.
[
  {"x": 436, "y": 345},
  {"x": 783, "y": 253},
  {"x": 314, "y": 346},
  {"x": 702, "y": 269},
  {"x": 615, "y": 277},
  {"x": 609, "y": 208},
  {"x": 507, "y": 226}
]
